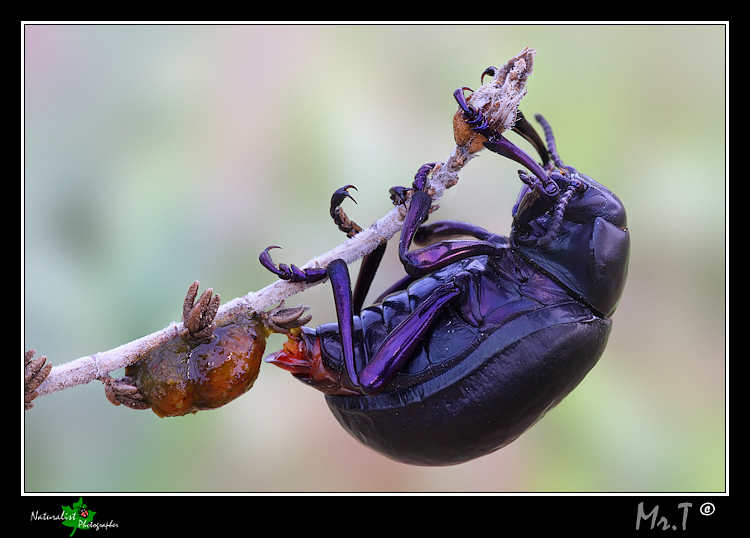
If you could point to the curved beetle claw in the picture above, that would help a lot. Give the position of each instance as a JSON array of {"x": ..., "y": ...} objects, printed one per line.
[
  {"x": 339, "y": 195},
  {"x": 340, "y": 218},
  {"x": 292, "y": 273}
]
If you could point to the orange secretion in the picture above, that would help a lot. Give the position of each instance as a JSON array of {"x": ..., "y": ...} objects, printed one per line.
[{"x": 307, "y": 366}]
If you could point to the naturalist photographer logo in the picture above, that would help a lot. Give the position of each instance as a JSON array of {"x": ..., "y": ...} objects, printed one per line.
[{"x": 77, "y": 516}]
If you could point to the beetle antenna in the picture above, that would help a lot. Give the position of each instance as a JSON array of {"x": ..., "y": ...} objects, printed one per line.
[
  {"x": 550, "y": 140},
  {"x": 557, "y": 216}
]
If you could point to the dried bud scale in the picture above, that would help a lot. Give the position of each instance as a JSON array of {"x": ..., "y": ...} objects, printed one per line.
[
  {"x": 497, "y": 100},
  {"x": 35, "y": 372}
]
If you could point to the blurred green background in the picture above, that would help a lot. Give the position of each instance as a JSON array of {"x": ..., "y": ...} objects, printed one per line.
[{"x": 157, "y": 155}]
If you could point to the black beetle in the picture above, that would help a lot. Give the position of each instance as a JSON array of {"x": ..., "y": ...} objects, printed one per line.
[{"x": 484, "y": 335}]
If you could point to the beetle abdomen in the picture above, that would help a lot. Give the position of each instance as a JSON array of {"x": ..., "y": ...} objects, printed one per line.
[
  {"x": 494, "y": 362},
  {"x": 499, "y": 390}
]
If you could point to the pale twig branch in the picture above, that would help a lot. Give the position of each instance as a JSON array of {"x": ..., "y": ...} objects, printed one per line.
[
  {"x": 86, "y": 369},
  {"x": 507, "y": 88}
]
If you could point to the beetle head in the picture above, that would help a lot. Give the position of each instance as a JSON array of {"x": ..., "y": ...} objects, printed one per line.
[
  {"x": 579, "y": 236},
  {"x": 538, "y": 220}
]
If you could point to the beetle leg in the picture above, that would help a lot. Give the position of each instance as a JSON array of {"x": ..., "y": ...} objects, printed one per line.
[
  {"x": 497, "y": 143},
  {"x": 449, "y": 228},
  {"x": 420, "y": 178},
  {"x": 345, "y": 224},
  {"x": 370, "y": 262},
  {"x": 501, "y": 145},
  {"x": 440, "y": 230},
  {"x": 433, "y": 257},
  {"x": 292, "y": 273},
  {"x": 489, "y": 71},
  {"x": 401, "y": 343},
  {"x": 338, "y": 273},
  {"x": 527, "y": 131},
  {"x": 472, "y": 115},
  {"x": 367, "y": 270}
]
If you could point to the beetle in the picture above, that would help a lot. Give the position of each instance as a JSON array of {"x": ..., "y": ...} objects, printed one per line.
[{"x": 484, "y": 335}]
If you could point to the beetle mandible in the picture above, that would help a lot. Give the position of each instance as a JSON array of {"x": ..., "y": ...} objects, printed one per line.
[{"x": 483, "y": 335}]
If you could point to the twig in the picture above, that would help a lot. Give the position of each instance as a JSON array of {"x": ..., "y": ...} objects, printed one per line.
[{"x": 507, "y": 88}]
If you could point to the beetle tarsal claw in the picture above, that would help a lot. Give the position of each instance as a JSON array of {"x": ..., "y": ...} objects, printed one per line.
[
  {"x": 282, "y": 320},
  {"x": 340, "y": 218}
]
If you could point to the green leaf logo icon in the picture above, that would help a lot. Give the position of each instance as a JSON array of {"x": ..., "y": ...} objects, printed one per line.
[{"x": 78, "y": 516}]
